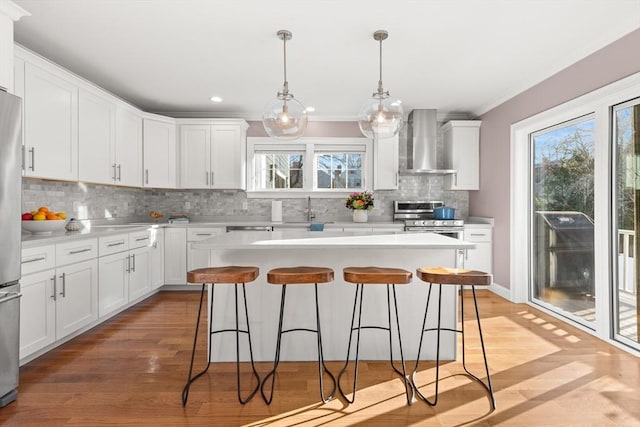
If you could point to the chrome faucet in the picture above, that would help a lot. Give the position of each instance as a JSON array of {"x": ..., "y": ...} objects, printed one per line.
[{"x": 310, "y": 214}]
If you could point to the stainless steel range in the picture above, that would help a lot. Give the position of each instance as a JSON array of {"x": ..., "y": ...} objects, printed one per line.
[{"x": 418, "y": 217}]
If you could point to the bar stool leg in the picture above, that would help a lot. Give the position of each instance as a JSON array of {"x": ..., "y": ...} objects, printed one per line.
[
  {"x": 321, "y": 366},
  {"x": 276, "y": 360},
  {"x": 437, "y": 329},
  {"x": 487, "y": 386},
  {"x": 255, "y": 373},
  {"x": 190, "y": 379},
  {"x": 405, "y": 379},
  {"x": 360, "y": 288}
]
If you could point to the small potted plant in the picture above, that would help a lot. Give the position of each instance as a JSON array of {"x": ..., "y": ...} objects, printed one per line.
[{"x": 360, "y": 203}]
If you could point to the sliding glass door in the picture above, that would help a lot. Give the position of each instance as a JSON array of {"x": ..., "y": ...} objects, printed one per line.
[
  {"x": 626, "y": 214},
  {"x": 562, "y": 219}
]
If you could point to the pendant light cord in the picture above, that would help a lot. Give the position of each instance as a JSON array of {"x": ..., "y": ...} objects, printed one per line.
[
  {"x": 380, "y": 88},
  {"x": 285, "y": 87}
]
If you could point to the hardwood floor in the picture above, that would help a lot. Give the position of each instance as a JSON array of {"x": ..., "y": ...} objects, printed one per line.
[{"x": 131, "y": 370}]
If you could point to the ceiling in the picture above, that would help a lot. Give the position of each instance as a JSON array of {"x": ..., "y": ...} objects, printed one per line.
[{"x": 171, "y": 56}]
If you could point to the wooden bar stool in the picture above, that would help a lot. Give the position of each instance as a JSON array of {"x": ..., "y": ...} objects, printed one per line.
[
  {"x": 375, "y": 276},
  {"x": 222, "y": 275},
  {"x": 293, "y": 276},
  {"x": 450, "y": 276}
]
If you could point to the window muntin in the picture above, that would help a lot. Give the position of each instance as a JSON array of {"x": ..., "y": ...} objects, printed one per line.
[{"x": 339, "y": 171}]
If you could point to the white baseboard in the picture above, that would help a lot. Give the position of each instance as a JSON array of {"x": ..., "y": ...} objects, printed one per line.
[{"x": 501, "y": 291}]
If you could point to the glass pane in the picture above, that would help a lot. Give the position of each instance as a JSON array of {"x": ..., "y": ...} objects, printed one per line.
[
  {"x": 279, "y": 170},
  {"x": 339, "y": 170},
  {"x": 627, "y": 145},
  {"x": 562, "y": 223}
]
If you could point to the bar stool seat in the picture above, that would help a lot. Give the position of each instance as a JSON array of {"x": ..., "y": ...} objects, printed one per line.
[
  {"x": 222, "y": 275},
  {"x": 299, "y": 276},
  {"x": 444, "y": 276},
  {"x": 361, "y": 276}
]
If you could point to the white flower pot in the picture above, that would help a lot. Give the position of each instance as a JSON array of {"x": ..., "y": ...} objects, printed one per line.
[{"x": 360, "y": 215}]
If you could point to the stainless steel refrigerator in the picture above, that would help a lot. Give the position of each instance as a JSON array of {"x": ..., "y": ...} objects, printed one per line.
[{"x": 10, "y": 244}]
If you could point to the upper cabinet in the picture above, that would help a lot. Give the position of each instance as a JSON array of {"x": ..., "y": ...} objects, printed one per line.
[
  {"x": 9, "y": 13},
  {"x": 159, "y": 148},
  {"x": 110, "y": 141},
  {"x": 462, "y": 153},
  {"x": 50, "y": 124},
  {"x": 213, "y": 154},
  {"x": 96, "y": 138},
  {"x": 386, "y": 163}
]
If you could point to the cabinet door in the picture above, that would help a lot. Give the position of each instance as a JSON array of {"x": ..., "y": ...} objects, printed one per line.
[
  {"x": 128, "y": 148},
  {"x": 386, "y": 163},
  {"x": 197, "y": 258},
  {"x": 175, "y": 256},
  {"x": 37, "y": 312},
  {"x": 228, "y": 157},
  {"x": 96, "y": 138},
  {"x": 139, "y": 272},
  {"x": 77, "y": 297},
  {"x": 195, "y": 148},
  {"x": 50, "y": 125},
  {"x": 159, "y": 148},
  {"x": 113, "y": 283},
  {"x": 481, "y": 257},
  {"x": 462, "y": 153},
  {"x": 157, "y": 258}
]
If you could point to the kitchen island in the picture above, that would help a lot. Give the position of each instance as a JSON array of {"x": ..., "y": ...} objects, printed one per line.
[{"x": 268, "y": 250}]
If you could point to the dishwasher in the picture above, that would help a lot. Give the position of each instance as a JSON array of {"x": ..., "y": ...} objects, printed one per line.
[
  {"x": 249, "y": 228},
  {"x": 9, "y": 342}
]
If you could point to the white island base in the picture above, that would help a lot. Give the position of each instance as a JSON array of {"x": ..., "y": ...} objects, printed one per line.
[{"x": 268, "y": 250}]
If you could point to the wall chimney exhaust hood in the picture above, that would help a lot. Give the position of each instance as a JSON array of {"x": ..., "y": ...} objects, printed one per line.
[{"x": 422, "y": 142}]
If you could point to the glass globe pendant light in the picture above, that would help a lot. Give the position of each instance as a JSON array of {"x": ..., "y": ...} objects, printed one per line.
[
  {"x": 285, "y": 117},
  {"x": 381, "y": 116}
]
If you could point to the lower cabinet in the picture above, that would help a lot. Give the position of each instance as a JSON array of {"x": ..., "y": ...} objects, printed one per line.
[
  {"x": 56, "y": 303},
  {"x": 156, "y": 257},
  {"x": 198, "y": 258},
  {"x": 481, "y": 257},
  {"x": 175, "y": 256}
]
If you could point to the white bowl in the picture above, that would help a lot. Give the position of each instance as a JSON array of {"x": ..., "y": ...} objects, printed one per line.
[{"x": 44, "y": 226}]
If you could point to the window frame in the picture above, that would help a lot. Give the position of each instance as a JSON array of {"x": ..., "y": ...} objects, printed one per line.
[{"x": 310, "y": 146}]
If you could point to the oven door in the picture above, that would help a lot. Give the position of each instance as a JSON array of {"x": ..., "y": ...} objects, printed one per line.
[{"x": 455, "y": 233}]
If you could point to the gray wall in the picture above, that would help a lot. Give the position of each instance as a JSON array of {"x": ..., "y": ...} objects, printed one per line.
[{"x": 618, "y": 60}]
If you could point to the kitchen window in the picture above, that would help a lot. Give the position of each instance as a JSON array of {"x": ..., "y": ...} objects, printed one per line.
[{"x": 327, "y": 166}]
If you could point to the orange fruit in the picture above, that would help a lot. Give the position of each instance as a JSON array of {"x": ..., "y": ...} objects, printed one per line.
[
  {"x": 62, "y": 215},
  {"x": 51, "y": 216},
  {"x": 39, "y": 217},
  {"x": 43, "y": 209}
]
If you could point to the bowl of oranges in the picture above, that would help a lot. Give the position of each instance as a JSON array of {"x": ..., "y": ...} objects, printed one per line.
[{"x": 43, "y": 221}]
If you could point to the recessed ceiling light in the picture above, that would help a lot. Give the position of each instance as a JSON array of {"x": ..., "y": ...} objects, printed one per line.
[
  {"x": 216, "y": 99},
  {"x": 310, "y": 109}
]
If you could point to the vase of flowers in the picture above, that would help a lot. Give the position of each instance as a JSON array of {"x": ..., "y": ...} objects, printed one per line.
[{"x": 360, "y": 203}]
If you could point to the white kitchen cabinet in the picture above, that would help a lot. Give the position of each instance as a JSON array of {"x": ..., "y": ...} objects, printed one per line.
[
  {"x": 213, "y": 154},
  {"x": 175, "y": 256},
  {"x": 96, "y": 138},
  {"x": 128, "y": 150},
  {"x": 50, "y": 125},
  {"x": 113, "y": 283},
  {"x": 159, "y": 153},
  {"x": 156, "y": 260},
  {"x": 386, "y": 163},
  {"x": 481, "y": 257},
  {"x": 37, "y": 311},
  {"x": 139, "y": 272},
  {"x": 77, "y": 297},
  {"x": 199, "y": 258},
  {"x": 462, "y": 154},
  {"x": 9, "y": 12}
]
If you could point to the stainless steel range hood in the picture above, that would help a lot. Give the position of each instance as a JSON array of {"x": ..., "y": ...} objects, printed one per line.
[{"x": 422, "y": 142}]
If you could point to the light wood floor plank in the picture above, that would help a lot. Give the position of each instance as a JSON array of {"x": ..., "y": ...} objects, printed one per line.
[{"x": 130, "y": 371}]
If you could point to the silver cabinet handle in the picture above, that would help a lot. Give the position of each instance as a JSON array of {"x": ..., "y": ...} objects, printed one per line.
[
  {"x": 203, "y": 234},
  {"x": 119, "y": 172},
  {"x": 212, "y": 177},
  {"x": 206, "y": 178},
  {"x": 64, "y": 285},
  {"x": 53, "y": 279},
  {"x": 79, "y": 251},
  {"x": 128, "y": 267},
  {"x": 146, "y": 176},
  {"x": 34, "y": 260},
  {"x": 32, "y": 150},
  {"x": 115, "y": 244},
  {"x": 113, "y": 176},
  {"x": 140, "y": 239},
  {"x": 476, "y": 234},
  {"x": 133, "y": 257}
]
